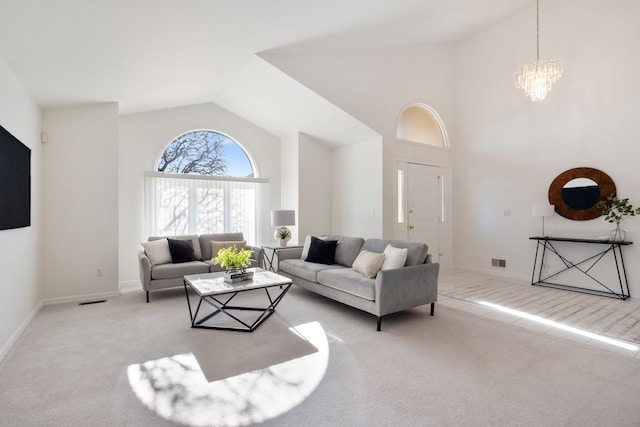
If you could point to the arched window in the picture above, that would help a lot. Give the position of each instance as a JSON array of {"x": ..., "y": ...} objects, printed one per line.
[
  {"x": 203, "y": 183},
  {"x": 420, "y": 123},
  {"x": 205, "y": 152}
]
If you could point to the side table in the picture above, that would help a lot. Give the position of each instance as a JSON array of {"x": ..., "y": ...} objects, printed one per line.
[{"x": 273, "y": 250}]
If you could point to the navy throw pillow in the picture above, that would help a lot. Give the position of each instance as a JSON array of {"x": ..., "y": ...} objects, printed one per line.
[
  {"x": 181, "y": 250},
  {"x": 322, "y": 251}
]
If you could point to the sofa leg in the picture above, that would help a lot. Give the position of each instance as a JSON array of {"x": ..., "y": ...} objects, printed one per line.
[
  {"x": 147, "y": 296},
  {"x": 379, "y": 323},
  {"x": 433, "y": 306}
]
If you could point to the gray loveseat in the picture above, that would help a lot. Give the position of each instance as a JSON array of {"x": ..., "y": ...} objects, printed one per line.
[
  {"x": 414, "y": 284},
  {"x": 169, "y": 274}
]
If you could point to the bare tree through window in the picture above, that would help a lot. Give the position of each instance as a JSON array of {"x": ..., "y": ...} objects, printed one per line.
[{"x": 198, "y": 152}]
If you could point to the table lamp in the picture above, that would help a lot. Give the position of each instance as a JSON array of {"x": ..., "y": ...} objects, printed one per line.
[
  {"x": 543, "y": 211},
  {"x": 281, "y": 219}
]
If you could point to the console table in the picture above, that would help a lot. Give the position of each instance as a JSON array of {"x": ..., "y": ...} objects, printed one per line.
[{"x": 607, "y": 247}]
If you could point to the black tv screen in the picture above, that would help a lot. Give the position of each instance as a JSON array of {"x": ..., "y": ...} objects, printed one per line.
[{"x": 15, "y": 182}]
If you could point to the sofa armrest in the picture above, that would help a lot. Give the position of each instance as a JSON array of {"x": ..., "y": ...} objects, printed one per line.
[
  {"x": 289, "y": 253},
  {"x": 258, "y": 255},
  {"x": 406, "y": 287},
  {"x": 145, "y": 270}
]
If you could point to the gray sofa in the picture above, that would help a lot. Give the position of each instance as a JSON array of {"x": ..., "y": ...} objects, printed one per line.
[
  {"x": 169, "y": 275},
  {"x": 390, "y": 291}
]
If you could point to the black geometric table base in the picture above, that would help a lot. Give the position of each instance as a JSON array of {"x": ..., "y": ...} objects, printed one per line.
[
  {"x": 584, "y": 266},
  {"x": 220, "y": 303}
]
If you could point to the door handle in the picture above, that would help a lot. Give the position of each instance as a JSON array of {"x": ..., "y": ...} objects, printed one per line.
[{"x": 411, "y": 227}]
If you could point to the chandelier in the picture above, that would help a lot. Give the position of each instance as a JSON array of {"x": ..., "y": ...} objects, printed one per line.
[{"x": 537, "y": 79}]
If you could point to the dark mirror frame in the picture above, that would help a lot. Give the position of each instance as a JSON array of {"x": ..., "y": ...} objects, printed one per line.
[{"x": 604, "y": 181}]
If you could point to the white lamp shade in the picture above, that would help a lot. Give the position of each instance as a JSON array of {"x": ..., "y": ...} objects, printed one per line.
[
  {"x": 283, "y": 218},
  {"x": 543, "y": 210}
]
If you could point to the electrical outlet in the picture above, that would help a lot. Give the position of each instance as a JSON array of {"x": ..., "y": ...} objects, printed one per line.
[
  {"x": 99, "y": 272},
  {"x": 498, "y": 262}
]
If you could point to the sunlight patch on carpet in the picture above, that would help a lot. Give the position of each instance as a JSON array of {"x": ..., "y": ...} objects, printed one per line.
[
  {"x": 571, "y": 329},
  {"x": 177, "y": 389}
]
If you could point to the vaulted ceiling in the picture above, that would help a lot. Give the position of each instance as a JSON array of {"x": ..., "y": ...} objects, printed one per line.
[{"x": 153, "y": 54}]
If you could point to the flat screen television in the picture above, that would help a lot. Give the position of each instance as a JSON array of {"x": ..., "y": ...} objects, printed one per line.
[{"x": 15, "y": 182}]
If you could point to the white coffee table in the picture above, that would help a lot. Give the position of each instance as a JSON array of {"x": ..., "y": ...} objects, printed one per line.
[{"x": 213, "y": 290}]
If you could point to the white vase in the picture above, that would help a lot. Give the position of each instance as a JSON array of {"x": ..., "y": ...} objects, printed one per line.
[{"x": 283, "y": 242}]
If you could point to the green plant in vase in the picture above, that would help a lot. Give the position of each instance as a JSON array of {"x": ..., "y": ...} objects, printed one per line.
[
  {"x": 283, "y": 234},
  {"x": 231, "y": 258},
  {"x": 616, "y": 210}
]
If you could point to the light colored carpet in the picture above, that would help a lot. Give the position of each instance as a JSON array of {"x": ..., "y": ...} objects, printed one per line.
[{"x": 71, "y": 368}]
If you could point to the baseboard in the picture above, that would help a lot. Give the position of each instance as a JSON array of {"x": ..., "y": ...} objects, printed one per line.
[
  {"x": 81, "y": 298},
  {"x": 18, "y": 332},
  {"x": 524, "y": 278},
  {"x": 130, "y": 286}
]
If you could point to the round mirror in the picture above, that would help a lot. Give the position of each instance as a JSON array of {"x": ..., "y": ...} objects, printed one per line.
[
  {"x": 580, "y": 193},
  {"x": 575, "y": 193}
]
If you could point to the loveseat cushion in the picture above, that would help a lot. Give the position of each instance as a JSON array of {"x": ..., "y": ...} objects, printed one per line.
[
  {"x": 192, "y": 237},
  {"x": 206, "y": 239},
  {"x": 347, "y": 249},
  {"x": 349, "y": 281},
  {"x": 157, "y": 251},
  {"x": 416, "y": 255},
  {"x": 173, "y": 271},
  {"x": 305, "y": 270},
  {"x": 181, "y": 250}
]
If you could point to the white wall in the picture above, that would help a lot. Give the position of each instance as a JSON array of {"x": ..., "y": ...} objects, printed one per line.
[
  {"x": 20, "y": 249},
  {"x": 357, "y": 189},
  {"x": 80, "y": 201},
  {"x": 290, "y": 169},
  {"x": 375, "y": 85},
  {"x": 143, "y": 138},
  {"x": 508, "y": 149},
  {"x": 315, "y": 192}
]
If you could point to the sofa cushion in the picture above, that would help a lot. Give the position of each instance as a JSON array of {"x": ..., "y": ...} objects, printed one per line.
[
  {"x": 192, "y": 237},
  {"x": 173, "y": 271},
  {"x": 394, "y": 257},
  {"x": 368, "y": 263},
  {"x": 157, "y": 251},
  {"x": 416, "y": 254},
  {"x": 307, "y": 244},
  {"x": 215, "y": 246},
  {"x": 303, "y": 269},
  {"x": 181, "y": 250},
  {"x": 206, "y": 239},
  {"x": 322, "y": 251},
  {"x": 349, "y": 281},
  {"x": 347, "y": 249}
]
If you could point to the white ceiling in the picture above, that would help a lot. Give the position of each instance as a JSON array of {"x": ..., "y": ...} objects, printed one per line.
[{"x": 152, "y": 54}]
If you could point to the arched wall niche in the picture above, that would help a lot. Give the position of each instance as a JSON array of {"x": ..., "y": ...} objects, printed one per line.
[{"x": 420, "y": 123}]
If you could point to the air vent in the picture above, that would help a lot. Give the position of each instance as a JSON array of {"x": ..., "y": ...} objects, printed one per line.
[{"x": 93, "y": 302}]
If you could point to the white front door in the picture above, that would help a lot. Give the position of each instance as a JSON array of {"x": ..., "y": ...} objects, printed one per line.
[{"x": 427, "y": 219}]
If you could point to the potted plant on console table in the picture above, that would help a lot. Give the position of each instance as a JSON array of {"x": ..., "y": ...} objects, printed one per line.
[
  {"x": 235, "y": 263},
  {"x": 616, "y": 210}
]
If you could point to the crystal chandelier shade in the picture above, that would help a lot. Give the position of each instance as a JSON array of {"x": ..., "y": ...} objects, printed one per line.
[{"x": 537, "y": 79}]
